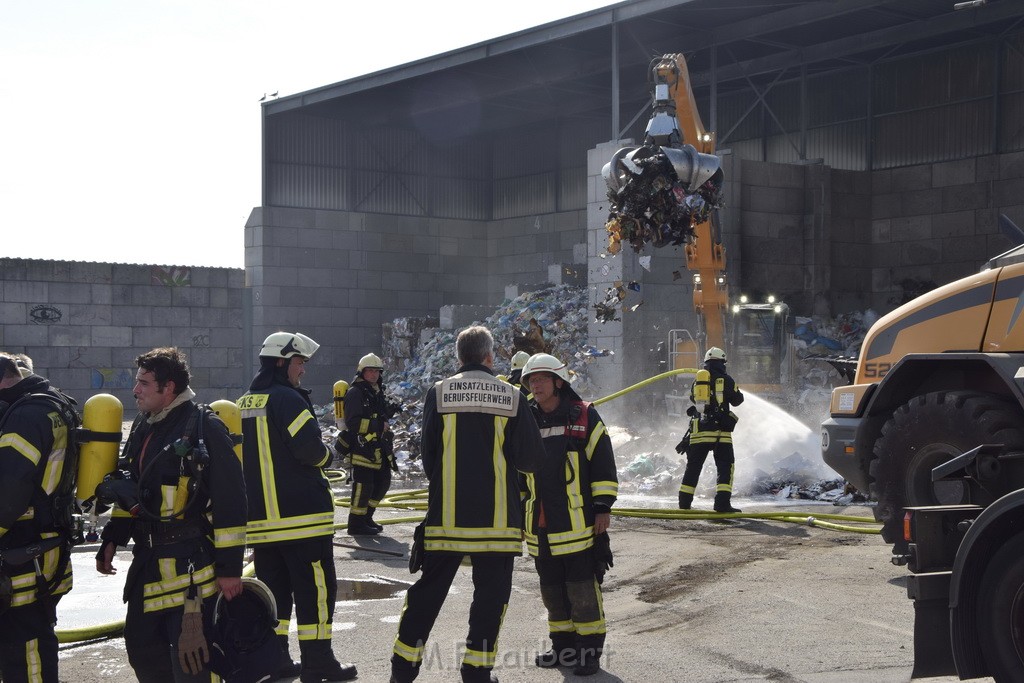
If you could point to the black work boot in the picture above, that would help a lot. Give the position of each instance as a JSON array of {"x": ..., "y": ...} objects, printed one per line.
[
  {"x": 723, "y": 504},
  {"x": 589, "y": 662},
  {"x": 475, "y": 674},
  {"x": 369, "y": 520},
  {"x": 685, "y": 500},
  {"x": 319, "y": 664},
  {"x": 562, "y": 652},
  {"x": 359, "y": 526},
  {"x": 288, "y": 668}
]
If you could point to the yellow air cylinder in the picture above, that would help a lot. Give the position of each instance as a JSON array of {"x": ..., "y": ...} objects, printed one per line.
[
  {"x": 702, "y": 389},
  {"x": 231, "y": 416},
  {"x": 101, "y": 415},
  {"x": 340, "y": 389}
]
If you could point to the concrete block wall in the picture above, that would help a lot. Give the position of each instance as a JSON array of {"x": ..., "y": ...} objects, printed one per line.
[
  {"x": 83, "y": 324},
  {"x": 935, "y": 223},
  {"x": 521, "y": 250}
]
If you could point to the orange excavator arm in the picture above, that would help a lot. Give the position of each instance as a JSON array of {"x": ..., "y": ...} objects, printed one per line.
[{"x": 705, "y": 255}]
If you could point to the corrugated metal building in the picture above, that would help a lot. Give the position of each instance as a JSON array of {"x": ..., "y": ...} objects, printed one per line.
[{"x": 871, "y": 143}]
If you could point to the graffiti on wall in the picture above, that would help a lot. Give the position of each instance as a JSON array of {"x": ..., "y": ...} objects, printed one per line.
[
  {"x": 112, "y": 378},
  {"x": 44, "y": 314},
  {"x": 201, "y": 340},
  {"x": 172, "y": 276}
]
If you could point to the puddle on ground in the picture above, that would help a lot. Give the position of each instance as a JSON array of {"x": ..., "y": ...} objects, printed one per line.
[{"x": 369, "y": 589}]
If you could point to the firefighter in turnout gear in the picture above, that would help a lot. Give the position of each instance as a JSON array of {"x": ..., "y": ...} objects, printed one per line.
[
  {"x": 569, "y": 508},
  {"x": 291, "y": 505},
  {"x": 478, "y": 434},
  {"x": 35, "y": 567},
  {"x": 181, "y": 498},
  {"x": 713, "y": 393},
  {"x": 370, "y": 444},
  {"x": 515, "y": 377}
]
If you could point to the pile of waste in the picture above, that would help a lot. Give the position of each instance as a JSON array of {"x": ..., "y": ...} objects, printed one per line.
[
  {"x": 550, "y": 320},
  {"x": 649, "y": 204}
]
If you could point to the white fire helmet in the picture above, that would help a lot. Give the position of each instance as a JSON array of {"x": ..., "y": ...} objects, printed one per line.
[
  {"x": 370, "y": 360},
  {"x": 288, "y": 344},
  {"x": 545, "y": 362},
  {"x": 714, "y": 353},
  {"x": 519, "y": 360}
]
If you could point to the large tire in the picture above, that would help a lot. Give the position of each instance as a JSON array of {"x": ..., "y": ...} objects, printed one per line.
[
  {"x": 1000, "y": 613},
  {"x": 925, "y": 432}
]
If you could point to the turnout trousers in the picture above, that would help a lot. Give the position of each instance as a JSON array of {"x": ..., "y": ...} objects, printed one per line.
[
  {"x": 28, "y": 645},
  {"x": 725, "y": 463},
  {"x": 368, "y": 487},
  {"x": 492, "y": 585},
  {"x": 151, "y": 640},
  {"x": 572, "y": 596},
  {"x": 300, "y": 573}
]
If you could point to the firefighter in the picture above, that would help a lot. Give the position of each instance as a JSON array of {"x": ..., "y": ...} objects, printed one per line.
[
  {"x": 568, "y": 509},
  {"x": 515, "y": 377},
  {"x": 371, "y": 444},
  {"x": 35, "y": 570},
  {"x": 181, "y": 498},
  {"x": 291, "y": 505},
  {"x": 477, "y": 432},
  {"x": 711, "y": 426}
]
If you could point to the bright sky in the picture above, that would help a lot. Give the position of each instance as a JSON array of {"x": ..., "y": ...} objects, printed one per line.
[{"x": 130, "y": 129}]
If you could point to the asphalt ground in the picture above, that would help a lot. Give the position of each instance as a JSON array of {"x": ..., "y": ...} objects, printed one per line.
[{"x": 687, "y": 600}]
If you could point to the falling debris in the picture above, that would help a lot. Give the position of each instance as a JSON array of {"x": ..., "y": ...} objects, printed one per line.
[{"x": 613, "y": 298}]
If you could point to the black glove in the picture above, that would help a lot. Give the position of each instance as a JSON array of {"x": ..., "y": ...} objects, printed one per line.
[
  {"x": 603, "y": 560},
  {"x": 393, "y": 462},
  {"x": 683, "y": 444},
  {"x": 416, "y": 551},
  {"x": 692, "y": 411}
]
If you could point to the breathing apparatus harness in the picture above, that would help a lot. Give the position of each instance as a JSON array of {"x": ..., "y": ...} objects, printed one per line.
[
  {"x": 131, "y": 494},
  {"x": 62, "y": 505}
]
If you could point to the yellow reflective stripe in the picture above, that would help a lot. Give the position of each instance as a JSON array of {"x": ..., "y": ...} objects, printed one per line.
[
  {"x": 407, "y": 652},
  {"x": 229, "y": 537},
  {"x": 604, "y": 488},
  {"x": 500, "y": 472},
  {"x": 323, "y": 615},
  {"x": 300, "y": 419},
  {"x": 267, "y": 468},
  {"x": 448, "y": 470},
  {"x": 3, "y": 530},
  {"x": 720, "y": 390},
  {"x": 29, "y": 514},
  {"x": 177, "y": 599},
  {"x": 167, "y": 499},
  {"x": 683, "y": 488},
  {"x": 594, "y": 438},
  {"x": 33, "y": 662},
  {"x": 19, "y": 444},
  {"x": 478, "y": 658},
  {"x": 55, "y": 463},
  {"x": 282, "y": 627},
  {"x": 291, "y": 522},
  {"x": 288, "y": 535},
  {"x": 591, "y": 628},
  {"x": 561, "y": 627},
  {"x": 171, "y": 580},
  {"x": 364, "y": 426},
  {"x": 118, "y": 512},
  {"x": 446, "y": 545}
]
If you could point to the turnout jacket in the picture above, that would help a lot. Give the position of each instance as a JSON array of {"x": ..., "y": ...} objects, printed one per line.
[
  {"x": 364, "y": 417},
  {"x": 576, "y": 478},
  {"x": 192, "y": 513},
  {"x": 33, "y": 444},
  {"x": 478, "y": 434},
  {"x": 283, "y": 453},
  {"x": 724, "y": 394}
]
